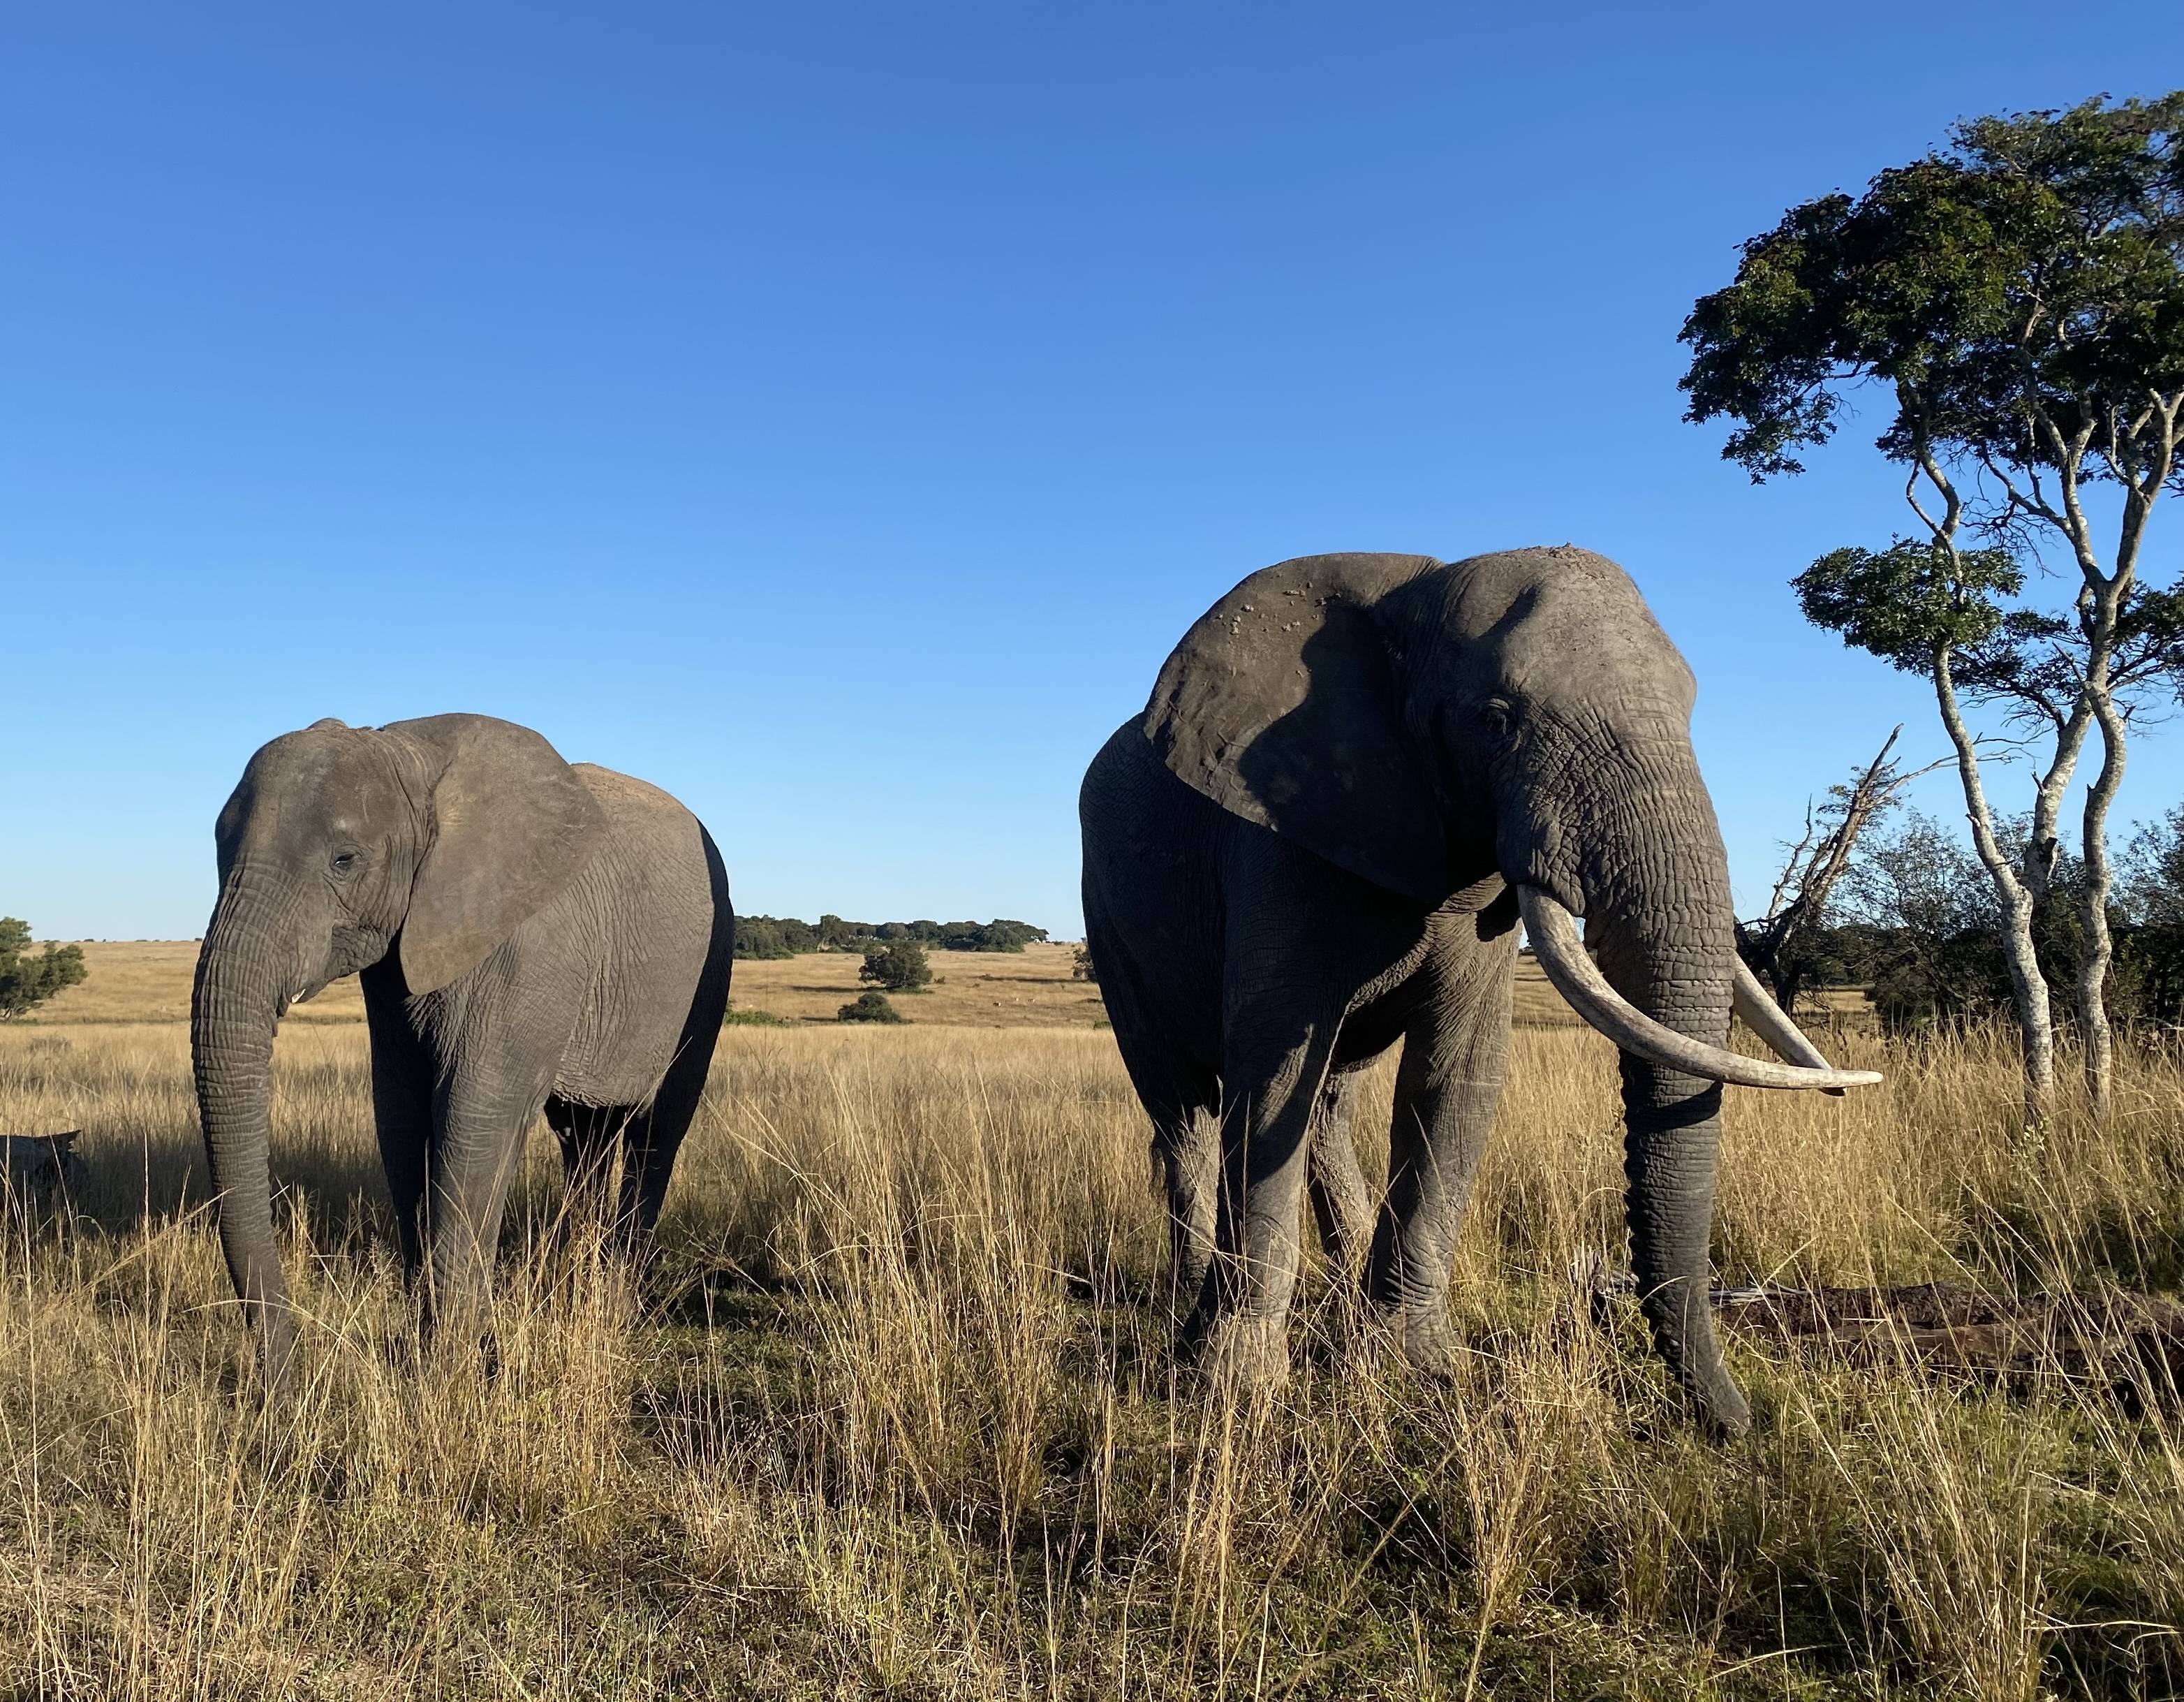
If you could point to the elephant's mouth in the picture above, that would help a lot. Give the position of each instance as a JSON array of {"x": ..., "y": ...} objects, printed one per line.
[
  {"x": 352, "y": 949},
  {"x": 1575, "y": 976}
]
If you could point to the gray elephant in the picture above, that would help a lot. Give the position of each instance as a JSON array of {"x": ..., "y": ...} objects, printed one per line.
[
  {"x": 1354, "y": 773},
  {"x": 530, "y": 935}
]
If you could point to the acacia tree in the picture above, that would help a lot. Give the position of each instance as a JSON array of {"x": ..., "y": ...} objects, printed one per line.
[
  {"x": 899, "y": 966},
  {"x": 2020, "y": 299},
  {"x": 27, "y": 982}
]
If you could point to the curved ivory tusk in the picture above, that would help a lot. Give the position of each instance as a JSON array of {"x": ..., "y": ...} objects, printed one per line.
[
  {"x": 1554, "y": 937},
  {"x": 1776, "y": 1026}
]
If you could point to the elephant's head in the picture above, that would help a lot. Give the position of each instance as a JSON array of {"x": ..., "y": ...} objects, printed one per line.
[
  {"x": 434, "y": 839},
  {"x": 1429, "y": 725}
]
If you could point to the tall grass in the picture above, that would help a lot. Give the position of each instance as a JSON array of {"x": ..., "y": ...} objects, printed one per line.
[{"x": 895, "y": 1414}]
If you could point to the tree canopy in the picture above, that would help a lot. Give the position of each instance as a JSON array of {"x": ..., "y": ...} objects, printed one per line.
[
  {"x": 870, "y": 1008},
  {"x": 2018, "y": 294},
  {"x": 27, "y": 982}
]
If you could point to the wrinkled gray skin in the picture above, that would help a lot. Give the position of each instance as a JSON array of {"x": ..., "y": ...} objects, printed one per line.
[
  {"x": 530, "y": 935},
  {"x": 1303, "y": 852}
]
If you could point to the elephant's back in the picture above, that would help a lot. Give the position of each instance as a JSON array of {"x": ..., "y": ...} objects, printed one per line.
[
  {"x": 656, "y": 845},
  {"x": 631, "y": 804},
  {"x": 1128, "y": 788},
  {"x": 650, "y": 906}
]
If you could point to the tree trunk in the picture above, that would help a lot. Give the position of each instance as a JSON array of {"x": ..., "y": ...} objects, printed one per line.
[
  {"x": 2036, "y": 1022},
  {"x": 2097, "y": 950},
  {"x": 2034, "y": 1012}
]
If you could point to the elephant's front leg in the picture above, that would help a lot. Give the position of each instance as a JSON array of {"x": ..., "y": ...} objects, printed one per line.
[
  {"x": 1456, "y": 1053},
  {"x": 480, "y": 1116},
  {"x": 1239, "y": 1331},
  {"x": 401, "y": 1110}
]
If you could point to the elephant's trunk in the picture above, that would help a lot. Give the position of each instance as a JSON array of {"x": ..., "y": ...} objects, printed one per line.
[
  {"x": 1655, "y": 880},
  {"x": 243, "y": 985}
]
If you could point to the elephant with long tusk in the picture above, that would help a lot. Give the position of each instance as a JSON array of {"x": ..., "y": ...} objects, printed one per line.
[{"x": 1355, "y": 774}]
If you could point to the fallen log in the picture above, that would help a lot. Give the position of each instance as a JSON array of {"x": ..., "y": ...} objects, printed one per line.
[{"x": 37, "y": 1172}]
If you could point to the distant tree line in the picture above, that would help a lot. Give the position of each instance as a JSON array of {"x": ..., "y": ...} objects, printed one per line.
[{"x": 785, "y": 936}]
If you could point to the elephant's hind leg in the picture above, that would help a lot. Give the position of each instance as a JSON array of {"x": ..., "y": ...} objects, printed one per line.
[
  {"x": 1186, "y": 1152},
  {"x": 1180, "y": 1093},
  {"x": 590, "y": 1137},
  {"x": 1238, "y": 1333},
  {"x": 651, "y": 1140},
  {"x": 1341, "y": 1201}
]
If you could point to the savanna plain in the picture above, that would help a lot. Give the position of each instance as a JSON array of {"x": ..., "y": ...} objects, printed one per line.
[{"x": 895, "y": 1413}]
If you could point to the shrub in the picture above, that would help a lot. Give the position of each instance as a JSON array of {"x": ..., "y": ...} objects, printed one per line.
[
  {"x": 1081, "y": 967},
  {"x": 899, "y": 966},
  {"x": 871, "y": 1007},
  {"x": 732, "y": 1018},
  {"x": 26, "y": 982}
]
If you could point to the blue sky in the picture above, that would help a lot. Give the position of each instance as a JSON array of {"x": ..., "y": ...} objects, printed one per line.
[{"x": 835, "y": 412}]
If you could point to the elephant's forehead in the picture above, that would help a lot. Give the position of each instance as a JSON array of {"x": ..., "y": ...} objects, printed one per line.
[
  {"x": 1593, "y": 648},
  {"x": 1559, "y": 612},
  {"x": 314, "y": 786}
]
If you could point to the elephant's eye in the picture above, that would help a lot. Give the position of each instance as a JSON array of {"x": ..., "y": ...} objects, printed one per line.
[
  {"x": 1498, "y": 713},
  {"x": 344, "y": 861}
]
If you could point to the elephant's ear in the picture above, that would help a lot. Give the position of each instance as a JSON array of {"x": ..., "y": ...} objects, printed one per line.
[
  {"x": 1285, "y": 705},
  {"x": 511, "y": 825}
]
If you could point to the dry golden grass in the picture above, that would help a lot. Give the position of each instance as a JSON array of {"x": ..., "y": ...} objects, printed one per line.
[
  {"x": 898, "y": 1418},
  {"x": 999, "y": 989},
  {"x": 148, "y": 981}
]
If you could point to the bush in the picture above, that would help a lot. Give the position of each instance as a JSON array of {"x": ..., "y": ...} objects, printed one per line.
[
  {"x": 26, "y": 982},
  {"x": 871, "y": 1007},
  {"x": 733, "y": 1018},
  {"x": 1081, "y": 966},
  {"x": 899, "y": 966}
]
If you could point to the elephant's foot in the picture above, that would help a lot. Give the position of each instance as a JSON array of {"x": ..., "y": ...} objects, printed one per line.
[
  {"x": 1719, "y": 1405},
  {"x": 1240, "y": 1354},
  {"x": 1686, "y": 1339},
  {"x": 276, "y": 1348},
  {"x": 1428, "y": 1346},
  {"x": 1186, "y": 1296}
]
